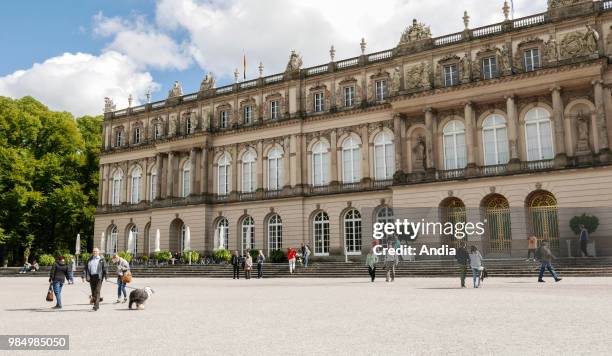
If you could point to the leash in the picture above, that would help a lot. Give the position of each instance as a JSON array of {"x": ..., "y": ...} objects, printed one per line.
[{"x": 126, "y": 286}]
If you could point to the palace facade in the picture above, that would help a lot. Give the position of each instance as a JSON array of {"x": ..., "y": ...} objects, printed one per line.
[{"x": 509, "y": 123}]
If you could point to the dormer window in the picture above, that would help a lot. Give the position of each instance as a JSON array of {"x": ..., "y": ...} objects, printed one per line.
[
  {"x": 532, "y": 59},
  {"x": 248, "y": 115},
  {"x": 137, "y": 135},
  {"x": 451, "y": 75},
  {"x": 223, "y": 119},
  {"x": 274, "y": 109},
  {"x": 318, "y": 102},
  {"x": 380, "y": 87},
  {"x": 349, "y": 96}
]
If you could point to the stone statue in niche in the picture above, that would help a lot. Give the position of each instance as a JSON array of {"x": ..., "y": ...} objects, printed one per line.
[
  {"x": 395, "y": 80},
  {"x": 582, "y": 142},
  {"x": 419, "y": 154},
  {"x": 425, "y": 76},
  {"x": 550, "y": 51},
  {"x": 591, "y": 38},
  {"x": 465, "y": 66},
  {"x": 505, "y": 59}
]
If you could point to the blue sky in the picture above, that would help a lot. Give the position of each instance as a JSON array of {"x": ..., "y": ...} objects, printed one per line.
[{"x": 71, "y": 54}]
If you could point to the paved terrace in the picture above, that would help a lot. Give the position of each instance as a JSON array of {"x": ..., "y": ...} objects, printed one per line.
[{"x": 508, "y": 316}]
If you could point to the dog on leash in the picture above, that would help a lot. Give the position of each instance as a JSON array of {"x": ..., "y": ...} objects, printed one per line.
[{"x": 140, "y": 296}]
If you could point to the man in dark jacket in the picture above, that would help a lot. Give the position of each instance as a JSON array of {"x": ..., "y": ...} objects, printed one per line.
[
  {"x": 463, "y": 257},
  {"x": 95, "y": 271},
  {"x": 546, "y": 257},
  {"x": 236, "y": 261},
  {"x": 57, "y": 277}
]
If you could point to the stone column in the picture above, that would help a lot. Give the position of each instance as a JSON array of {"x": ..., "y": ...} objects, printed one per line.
[
  {"x": 101, "y": 185},
  {"x": 294, "y": 157},
  {"x": 124, "y": 184},
  {"x": 204, "y": 171},
  {"x": 560, "y": 153},
  {"x": 512, "y": 114},
  {"x": 607, "y": 93},
  {"x": 193, "y": 159},
  {"x": 600, "y": 132},
  {"x": 259, "y": 184},
  {"x": 234, "y": 175},
  {"x": 304, "y": 168},
  {"x": 170, "y": 176},
  {"x": 159, "y": 164},
  {"x": 469, "y": 133},
  {"x": 333, "y": 155},
  {"x": 429, "y": 139},
  {"x": 365, "y": 155},
  {"x": 400, "y": 142},
  {"x": 286, "y": 179}
]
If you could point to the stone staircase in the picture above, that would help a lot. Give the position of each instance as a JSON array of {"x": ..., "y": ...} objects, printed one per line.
[{"x": 566, "y": 267}]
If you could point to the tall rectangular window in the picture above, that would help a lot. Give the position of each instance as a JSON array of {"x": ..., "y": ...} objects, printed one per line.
[
  {"x": 157, "y": 133},
  {"x": 274, "y": 109},
  {"x": 118, "y": 138},
  {"x": 223, "y": 119},
  {"x": 153, "y": 187},
  {"x": 318, "y": 102},
  {"x": 532, "y": 59},
  {"x": 349, "y": 96},
  {"x": 137, "y": 135},
  {"x": 451, "y": 75},
  {"x": 380, "y": 87},
  {"x": 248, "y": 114},
  {"x": 489, "y": 68}
]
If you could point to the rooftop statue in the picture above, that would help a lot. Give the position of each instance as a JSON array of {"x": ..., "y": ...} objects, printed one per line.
[
  {"x": 295, "y": 62},
  {"x": 208, "y": 82},
  {"x": 109, "y": 106},
  {"x": 414, "y": 33},
  {"x": 176, "y": 91}
]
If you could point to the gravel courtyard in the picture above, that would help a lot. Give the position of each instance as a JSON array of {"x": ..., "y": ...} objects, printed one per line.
[{"x": 322, "y": 316}]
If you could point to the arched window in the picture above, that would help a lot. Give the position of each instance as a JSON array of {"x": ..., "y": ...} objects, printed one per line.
[
  {"x": 351, "y": 159},
  {"x": 275, "y": 169},
  {"x": 136, "y": 177},
  {"x": 116, "y": 187},
  {"x": 182, "y": 237},
  {"x": 495, "y": 140},
  {"x": 222, "y": 234},
  {"x": 248, "y": 233},
  {"x": 352, "y": 231},
  {"x": 112, "y": 241},
  {"x": 132, "y": 241},
  {"x": 454, "y": 145},
  {"x": 248, "y": 172},
  {"x": 223, "y": 173},
  {"x": 320, "y": 164},
  {"x": 186, "y": 178},
  {"x": 384, "y": 156},
  {"x": 538, "y": 133},
  {"x": 275, "y": 233},
  {"x": 385, "y": 215},
  {"x": 153, "y": 184},
  {"x": 321, "y": 233}
]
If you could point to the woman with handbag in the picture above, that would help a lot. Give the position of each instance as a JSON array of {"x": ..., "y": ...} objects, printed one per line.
[
  {"x": 248, "y": 265},
  {"x": 123, "y": 277},
  {"x": 57, "y": 277}
]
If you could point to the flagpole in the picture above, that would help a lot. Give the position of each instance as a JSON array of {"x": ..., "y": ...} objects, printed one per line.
[{"x": 244, "y": 65}]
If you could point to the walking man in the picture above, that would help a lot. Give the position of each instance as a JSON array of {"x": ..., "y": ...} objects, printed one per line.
[
  {"x": 236, "y": 265},
  {"x": 260, "y": 261},
  {"x": 463, "y": 257},
  {"x": 584, "y": 239},
  {"x": 547, "y": 257},
  {"x": 305, "y": 254},
  {"x": 390, "y": 263},
  {"x": 371, "y": 260},
  {"x": 95, "y": 272},
  {"x": 532, "y": 245}
]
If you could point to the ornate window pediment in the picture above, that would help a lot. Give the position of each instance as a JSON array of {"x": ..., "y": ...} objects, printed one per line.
[{"x": 274, "y": 106}]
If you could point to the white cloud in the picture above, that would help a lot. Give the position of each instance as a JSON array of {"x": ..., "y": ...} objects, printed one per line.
[
  {"x": 79, "y": 82},
  {"x": 267, "y": 30},
  {"x": 140, "y": 41}
]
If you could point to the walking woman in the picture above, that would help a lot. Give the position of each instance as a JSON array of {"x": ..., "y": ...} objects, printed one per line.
[
  {"x": 371, "y": 260},
  {"x": 260, "y": 261},
  {"x": 122, "y": 268},
  {"x": 248, "y": 265},
  {"x": 58, "y": 275},
  {"x": 475, "y": 264}
]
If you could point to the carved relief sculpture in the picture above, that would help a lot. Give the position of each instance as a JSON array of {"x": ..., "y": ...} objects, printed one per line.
[
  {"x": 554, "y": 4},
  {"x": 505, "y": 60},
  {"x": 550, "y": 51},
  {"x": 577, "y": 43},
  {"x": 418, "y": 77},
  {"x": 395, "y": 81}
]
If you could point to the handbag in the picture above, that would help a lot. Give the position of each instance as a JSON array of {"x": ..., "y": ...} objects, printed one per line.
[
  {"x": 127, "y": 277},
  {"x": 50, "y": 293}
]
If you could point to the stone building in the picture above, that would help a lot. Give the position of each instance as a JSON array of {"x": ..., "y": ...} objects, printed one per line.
[{"x": 509, "y": 123}]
